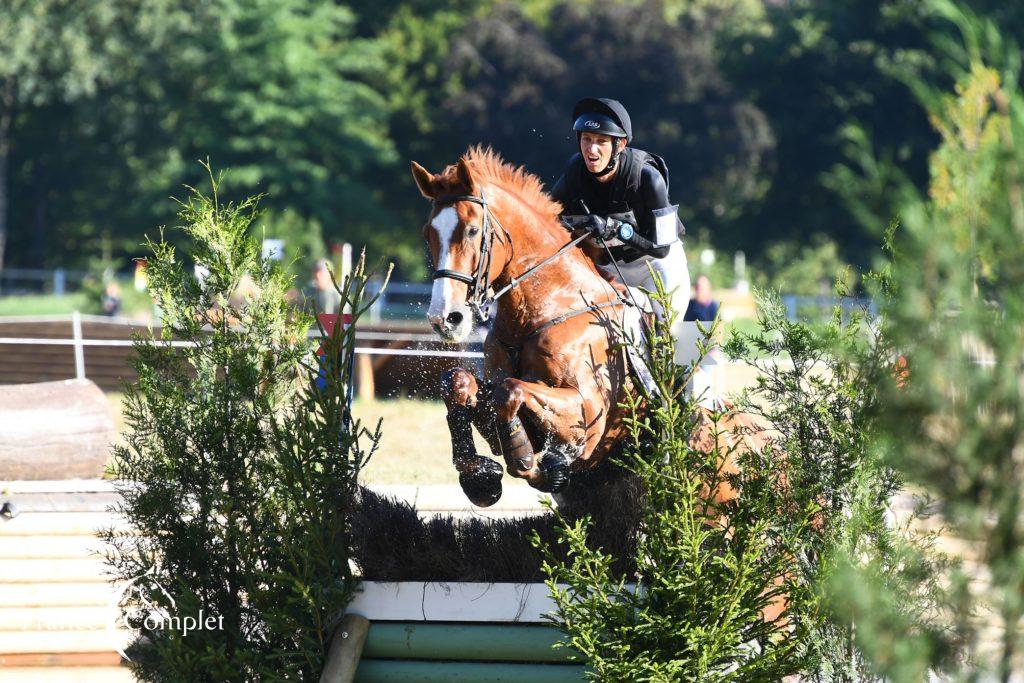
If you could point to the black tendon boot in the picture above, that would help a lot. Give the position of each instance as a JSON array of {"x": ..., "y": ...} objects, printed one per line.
[
  {"x": 555, "y": 467},
  {"x": 479, "y": 477}
]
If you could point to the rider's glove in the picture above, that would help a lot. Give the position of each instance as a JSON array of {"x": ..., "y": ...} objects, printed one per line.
[{"x": 600, "y": 227}]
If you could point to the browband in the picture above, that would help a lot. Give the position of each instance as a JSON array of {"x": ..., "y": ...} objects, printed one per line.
[{"x": 452, "y": 198}]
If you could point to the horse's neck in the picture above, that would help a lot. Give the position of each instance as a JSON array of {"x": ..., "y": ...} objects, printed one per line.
[{"x": 568, "y": 280}]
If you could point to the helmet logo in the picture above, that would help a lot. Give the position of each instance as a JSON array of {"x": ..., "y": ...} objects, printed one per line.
[{"x": 592, "y": 124}]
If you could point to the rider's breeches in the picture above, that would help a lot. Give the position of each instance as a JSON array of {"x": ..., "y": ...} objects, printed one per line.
[
  {"x": 675, "y": 276},
  {"x": 673, "y": 271}
]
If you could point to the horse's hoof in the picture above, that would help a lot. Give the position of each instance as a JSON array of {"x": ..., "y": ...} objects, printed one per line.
[
  {"x": 483, "y": 485},
  {"x": 555, "y": 467}
]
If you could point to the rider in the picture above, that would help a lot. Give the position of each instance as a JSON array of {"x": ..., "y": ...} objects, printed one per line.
[{"x": 620, "y": 194}]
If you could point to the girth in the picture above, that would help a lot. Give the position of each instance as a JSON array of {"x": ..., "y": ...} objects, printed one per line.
[
  {"x": 571, "y": 314},
  {"x": 515, "y": 350}
]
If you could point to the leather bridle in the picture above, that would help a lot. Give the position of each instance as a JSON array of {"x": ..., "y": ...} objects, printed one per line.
[{"x": 479, "y": 281}]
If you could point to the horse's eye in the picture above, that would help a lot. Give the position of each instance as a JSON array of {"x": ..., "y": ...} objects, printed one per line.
[{"x": 473, "y": 231}]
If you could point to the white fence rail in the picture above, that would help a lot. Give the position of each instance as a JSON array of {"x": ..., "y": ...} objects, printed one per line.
[
  {"x": 718, "y": 373},
  {"x": 78, "y": 342}
]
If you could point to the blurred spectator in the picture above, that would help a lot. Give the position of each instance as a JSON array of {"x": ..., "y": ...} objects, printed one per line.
[
  {"x": 702, "y": 307},
  {"x": 327, "y": 297},
  {"x": 111, "y": 300}
]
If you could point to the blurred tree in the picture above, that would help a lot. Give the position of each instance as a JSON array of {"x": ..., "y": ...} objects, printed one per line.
[
  {"x": 520, "y": 81},
  {"x": 51, "y": 51},
  {"x": 953, "y": 424},
  {"x": 277, "y": 91},
  {"x": 808, "y": 269},
  {"x": 321, "y": 105},
  {"x": 507, "y": 75},
  {"x": 822, "y": 66},
  {"x": 416, "y": 40}
]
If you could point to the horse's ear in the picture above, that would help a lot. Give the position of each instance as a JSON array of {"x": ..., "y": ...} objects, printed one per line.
[
  {"x": 424, "y": 180},
  {"x": 465, "y": 175}
]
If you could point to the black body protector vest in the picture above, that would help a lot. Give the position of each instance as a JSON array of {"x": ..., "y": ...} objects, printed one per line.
[{"x": 638, "y": 194}]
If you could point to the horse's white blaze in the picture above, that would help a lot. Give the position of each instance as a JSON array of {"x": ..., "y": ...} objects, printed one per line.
[{"x": 445, "y": 223}]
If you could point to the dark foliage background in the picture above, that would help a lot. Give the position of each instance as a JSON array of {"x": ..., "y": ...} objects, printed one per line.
[{"x": 103, "y": 110}]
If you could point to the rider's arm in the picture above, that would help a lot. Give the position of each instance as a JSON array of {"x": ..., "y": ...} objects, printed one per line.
[{"x": 655, "y": 196}]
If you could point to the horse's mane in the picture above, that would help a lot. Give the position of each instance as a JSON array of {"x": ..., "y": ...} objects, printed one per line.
[{"x": 488, "y": 167}]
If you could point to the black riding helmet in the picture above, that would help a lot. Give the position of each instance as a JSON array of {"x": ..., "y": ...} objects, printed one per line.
[{"x": 605, "y": 116}]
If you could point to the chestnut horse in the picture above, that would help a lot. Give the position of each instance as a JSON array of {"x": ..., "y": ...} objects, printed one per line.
[
  {"x": 554, "y": 371},
  {"x": 553, "y": 375}
]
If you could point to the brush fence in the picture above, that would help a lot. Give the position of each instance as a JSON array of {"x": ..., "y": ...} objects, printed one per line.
[{"x": 460, "y": 632}]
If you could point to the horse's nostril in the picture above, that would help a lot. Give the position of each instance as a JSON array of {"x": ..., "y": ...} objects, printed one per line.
[{"x": 454, "y": 318}]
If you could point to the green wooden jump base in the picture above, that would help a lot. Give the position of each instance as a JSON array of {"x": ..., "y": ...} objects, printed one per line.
[{"x": 461, "y": 632}]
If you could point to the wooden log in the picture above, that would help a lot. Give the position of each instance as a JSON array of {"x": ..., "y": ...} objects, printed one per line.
[
  {"x": 364, "y": 377},
  {"x": 345, "y": 650},
  {"x": 54, "y": 430}
]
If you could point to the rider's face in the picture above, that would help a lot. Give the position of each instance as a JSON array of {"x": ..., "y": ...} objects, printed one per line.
[{"x": 596, "y": 150}]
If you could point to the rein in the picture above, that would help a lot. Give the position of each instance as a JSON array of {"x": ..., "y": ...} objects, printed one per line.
[{"x": 477, "y": 298}]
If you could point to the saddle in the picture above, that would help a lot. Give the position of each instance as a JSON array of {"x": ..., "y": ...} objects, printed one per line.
[
  {"x": 687, "y": 334},
  {"x": 635, "y": 321}
]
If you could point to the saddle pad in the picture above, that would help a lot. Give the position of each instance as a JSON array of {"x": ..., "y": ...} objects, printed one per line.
[
  {"x": 635, "y": 342},
  {"x": 686, "y": 335}
]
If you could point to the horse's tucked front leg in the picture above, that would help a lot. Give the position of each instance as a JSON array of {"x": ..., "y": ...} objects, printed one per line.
[
  {"x": 479, "y": 477},
  {"x": 559, "y": 411},
  {"x": 520, "y": 458}
]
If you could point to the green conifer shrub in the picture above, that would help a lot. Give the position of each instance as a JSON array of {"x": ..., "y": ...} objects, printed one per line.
[
  {"x": 954, "y": 309},
  {"x": 819, "y": 389},
  {"x": 238, "y": 470},
  {"x": 710, "y": 568}
]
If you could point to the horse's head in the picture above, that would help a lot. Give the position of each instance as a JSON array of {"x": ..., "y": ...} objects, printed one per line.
[{"x": 460, "y": 239}]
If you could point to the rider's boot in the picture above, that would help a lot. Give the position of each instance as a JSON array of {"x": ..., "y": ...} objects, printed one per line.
[{"x": 479, "y": 477}]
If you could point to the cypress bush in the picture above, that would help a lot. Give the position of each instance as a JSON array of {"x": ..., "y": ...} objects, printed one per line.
[
  {"x": 751, "y": 513},
  {"x": 952, "y": 285},
  {"x": 238, "y": 469}
]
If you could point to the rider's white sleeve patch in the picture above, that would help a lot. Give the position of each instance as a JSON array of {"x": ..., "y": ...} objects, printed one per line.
[{"x": 665, "y": 225}]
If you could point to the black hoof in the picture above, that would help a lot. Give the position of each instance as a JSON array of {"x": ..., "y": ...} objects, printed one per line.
[
  {"x": 483, "y": 486},
  {"x": 555, "y": 467}
]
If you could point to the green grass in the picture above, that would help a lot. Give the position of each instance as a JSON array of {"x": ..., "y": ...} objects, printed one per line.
[
  {"x": 747, "y": 325},
  {"x": 44, "y": 304},
  {"x": 414, "y": 448},
  {"x": 134, "y": 304}
]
